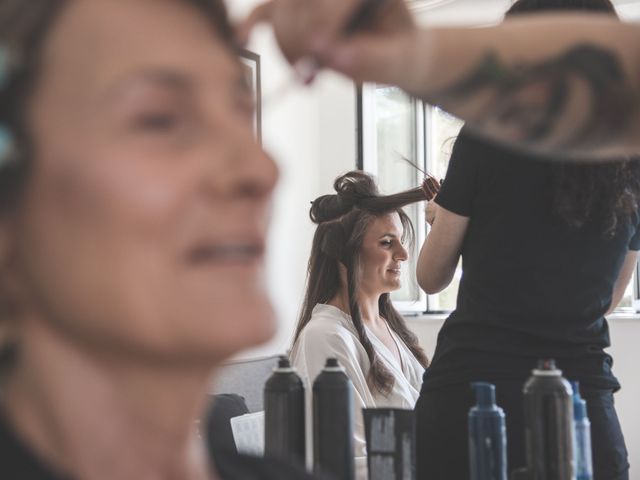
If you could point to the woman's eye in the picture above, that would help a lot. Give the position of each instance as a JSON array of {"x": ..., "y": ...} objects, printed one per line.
[{"x": 385, "y": 243}]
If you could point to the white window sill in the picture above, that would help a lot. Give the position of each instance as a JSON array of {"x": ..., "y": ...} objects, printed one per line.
[
  {"x": 440, "y": 317},
  {"x": 624, "y": 317}
]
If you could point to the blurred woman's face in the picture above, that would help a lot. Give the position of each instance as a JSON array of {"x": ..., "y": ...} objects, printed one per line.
[
  {"x": 144, "y": 221},
  {"x": 382, "y": 255}
]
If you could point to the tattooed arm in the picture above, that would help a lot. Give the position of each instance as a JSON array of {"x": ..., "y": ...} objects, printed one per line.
[
  {"x": 569, "y": 85},
  {"x": 564, "y": 83}
]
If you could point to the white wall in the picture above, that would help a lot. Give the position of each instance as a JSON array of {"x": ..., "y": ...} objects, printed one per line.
[
  {"x": 625, "y": 334},
  {"x": 312, "y": 135}
]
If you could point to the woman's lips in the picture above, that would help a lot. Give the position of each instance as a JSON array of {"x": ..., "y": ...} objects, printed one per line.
[
  {"x": 395, "y": 271},
  {"x": 227, "y": 253}
]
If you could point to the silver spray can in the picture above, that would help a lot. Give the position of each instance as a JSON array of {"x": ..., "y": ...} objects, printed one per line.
[{"x": 548, "y": 409}]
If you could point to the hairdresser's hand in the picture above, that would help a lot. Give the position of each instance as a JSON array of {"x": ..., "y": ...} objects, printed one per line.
[
  {"x": 431, "y": 187},
  {"x": 314, "y": 28}
]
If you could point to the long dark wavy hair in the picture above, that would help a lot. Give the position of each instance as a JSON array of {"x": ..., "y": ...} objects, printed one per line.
[
  {"x": 25, "y": 26},
  {"x": 343, "y": 219},
  {"x": 601, "y": 194}
]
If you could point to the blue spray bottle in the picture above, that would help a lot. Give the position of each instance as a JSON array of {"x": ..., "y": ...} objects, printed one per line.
[
  {"x": 584, "y": 466},
  {"x": 487, "y": 436}
]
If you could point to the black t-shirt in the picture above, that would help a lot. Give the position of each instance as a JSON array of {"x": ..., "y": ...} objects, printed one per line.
[
  {"x": 18, "y": 462},
  {"x": 532, "y": 287}
]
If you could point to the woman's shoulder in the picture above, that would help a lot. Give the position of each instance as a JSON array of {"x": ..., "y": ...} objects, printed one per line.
[
  {"x": 328, "y": 321},
  {"x": 329, "y": 332}
]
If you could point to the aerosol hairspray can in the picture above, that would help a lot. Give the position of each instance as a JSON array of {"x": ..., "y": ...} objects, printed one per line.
[
  {"x": 333, "y": 423},
  {"x": 548, "y": 409},
  {"x": 284, "y": 418},
  {"x": 487, "y": 436}
]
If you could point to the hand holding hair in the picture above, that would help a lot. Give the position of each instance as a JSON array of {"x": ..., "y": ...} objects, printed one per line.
[{"x": 431, "y": 187}]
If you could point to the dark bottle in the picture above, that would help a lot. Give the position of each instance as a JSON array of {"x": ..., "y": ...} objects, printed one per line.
[
  {"x": 284, "y": 419},
  {"x": 333, "y": 423},
  {"x": 487, "y": 436},
  {"x": 548, "y": 410}
]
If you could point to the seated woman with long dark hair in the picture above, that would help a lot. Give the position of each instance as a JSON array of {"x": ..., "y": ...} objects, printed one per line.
[{"x": 356, "y": 260}]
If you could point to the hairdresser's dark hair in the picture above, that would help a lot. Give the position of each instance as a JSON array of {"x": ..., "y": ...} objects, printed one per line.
[
  {"x": 343, "y": 219},
  {"x": 600, "y": 194},
  {"x": 24, "y": 28}
]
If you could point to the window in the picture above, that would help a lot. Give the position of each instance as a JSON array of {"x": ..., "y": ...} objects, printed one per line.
[
  {"x": 441, "y": 132},
  {"x": 393, "y": 126}
]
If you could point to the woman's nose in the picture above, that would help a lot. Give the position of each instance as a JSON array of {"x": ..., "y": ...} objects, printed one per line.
[
  {"x": 246, "y": 170},
  {"x": 401, "y": 254},
  {"x": 258, "y": 174}
]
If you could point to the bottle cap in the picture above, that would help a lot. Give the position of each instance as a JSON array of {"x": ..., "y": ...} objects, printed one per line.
[
  {"x": 575, "y": 386},
  {"x": 547, "y": 364},
  {"x": 332, "y": 362},
  {"x": 485, "y": 394},
  {"x": 332, "y": 365},
  {"x": 547, "y": 368},
  {"x": 284, "y": 365},
  {"x": 579, "y": 404},
  {"x": 283, "y": 362}
]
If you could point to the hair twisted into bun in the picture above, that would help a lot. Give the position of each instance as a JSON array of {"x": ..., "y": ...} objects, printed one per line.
[
  {"x": 358, "y": 189},
  {"x": 352, "y": 190},
  {"x": 327, "y": 208}
]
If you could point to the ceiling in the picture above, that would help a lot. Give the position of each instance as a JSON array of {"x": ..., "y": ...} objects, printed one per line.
[{"x": 479, "y": 12}]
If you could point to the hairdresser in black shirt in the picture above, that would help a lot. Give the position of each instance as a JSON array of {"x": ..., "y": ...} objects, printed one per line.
[
  {"x": 547, "y": 251},
  {"x": 134, "y": 207},
  {"x": 542, "y": 265}
]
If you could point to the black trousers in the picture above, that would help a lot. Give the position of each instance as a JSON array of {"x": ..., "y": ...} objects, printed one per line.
[{"x": 442, "y": 441}]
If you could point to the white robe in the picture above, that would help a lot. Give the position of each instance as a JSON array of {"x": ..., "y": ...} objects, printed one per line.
[{"x": 330, "y": 333}]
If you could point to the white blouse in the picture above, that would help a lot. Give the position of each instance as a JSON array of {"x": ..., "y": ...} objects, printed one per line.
[{"x": 330, "y": 333}]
